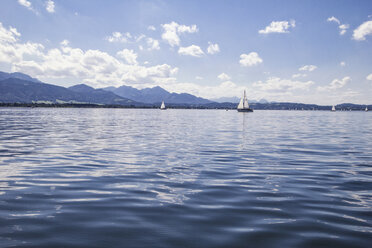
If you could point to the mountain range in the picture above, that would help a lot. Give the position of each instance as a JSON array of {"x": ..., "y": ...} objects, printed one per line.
[
  {"x": 156, "y": 95},
  {"x": 19, "y": 87}
]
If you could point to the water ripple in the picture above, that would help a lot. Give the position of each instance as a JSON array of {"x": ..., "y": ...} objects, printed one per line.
[{"x": 184, "y": 178}]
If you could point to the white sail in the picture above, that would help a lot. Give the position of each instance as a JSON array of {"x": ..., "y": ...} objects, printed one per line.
[
  {"x": 246, "y": 105},
  {"x": 366, "y": 109},
  {"x": 333, "y": 108},
  {"x": 241, "y": 104},
  {"x": 162, "y": 105}
]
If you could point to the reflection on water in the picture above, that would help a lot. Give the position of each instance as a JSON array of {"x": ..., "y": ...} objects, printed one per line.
[{"x": 189, "y": 178}]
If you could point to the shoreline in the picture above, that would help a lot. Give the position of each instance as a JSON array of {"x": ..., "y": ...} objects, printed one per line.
[{"x": 273, "y": 106}]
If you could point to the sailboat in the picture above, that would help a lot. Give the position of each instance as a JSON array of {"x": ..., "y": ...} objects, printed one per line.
[
  {"x": 366, "y": 109},
  {"x": 243, "y": 104},
  {"x": 162, "y": 107},
  {"x": 333, "y": 108}
]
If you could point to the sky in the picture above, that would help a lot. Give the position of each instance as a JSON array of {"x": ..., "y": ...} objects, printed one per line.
[{"x": 295, "y": 51}]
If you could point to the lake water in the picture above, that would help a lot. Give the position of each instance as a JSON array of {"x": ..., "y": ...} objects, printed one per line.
[{"x": 185, "y": 178}]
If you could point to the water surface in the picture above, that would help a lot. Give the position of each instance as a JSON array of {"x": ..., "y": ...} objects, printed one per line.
[{"x": 184, "y": 178}]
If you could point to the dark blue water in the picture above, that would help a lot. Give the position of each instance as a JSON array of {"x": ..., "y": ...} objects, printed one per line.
[{"x": 185, "y": 178}]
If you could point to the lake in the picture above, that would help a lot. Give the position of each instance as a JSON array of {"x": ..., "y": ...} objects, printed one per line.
[{"x": 184, "y": 178}]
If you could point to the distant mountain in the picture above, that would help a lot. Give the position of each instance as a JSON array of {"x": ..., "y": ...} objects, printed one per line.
[
  {"x": 92, "y": 95},
  {"x": 233, "y": 99},
  {"x": 5, "y": 75},
  {"x": 19, "y": 90},
  {"x": 156, "y": 95},
  {"x": 24, "y": 91}
]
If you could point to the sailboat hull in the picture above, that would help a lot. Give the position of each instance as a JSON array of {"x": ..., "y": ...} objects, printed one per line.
[{"x": 245, "y": 110}]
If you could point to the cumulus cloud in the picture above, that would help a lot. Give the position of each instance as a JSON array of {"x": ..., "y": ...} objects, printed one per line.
[
  {"x": 152, "y": 28},
  {"x": 278, "y": 27},
  {"x": 192, "y": 50},
  {"x": 362, "y": 31},
  {"x": 223, "y": 76},
  {"x": 11, "y": 51},
  {"x": 250, "y": 59},
  {"x": 65, "y": 43},
  {"x": 335, "y": 84},
  {"x": 25, "y": 3},
  {"x": 224, "y": 89},
  {"x": 282, "y": 85},
  {"x": 8, "y": 35},
  {"x": 129, "y": 56},
  {"x": 213, "y": 48},
  {"x": 152, "y": 44},
  {"x": 342, "y": 27},
  {"x": 94, "y": 67},
  {"x": 298, "y": 75},
  {"x": 308, "y": 68},
  {"x": 199, "y": 78},
  {"x": 333, "y": 19},
  {"x": 49, "y": 6},
  {"x": 369, "y": 77},
  {"x": 119, "y": 37},
  {"x": 172, "y": 31}
]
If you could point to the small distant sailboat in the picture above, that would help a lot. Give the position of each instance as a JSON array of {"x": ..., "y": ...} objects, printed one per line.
[
  {"x": 162, "y": 107},
  {"x": 366, "y": 109},
  {"x": 333, "y": 108},
  {"x": 243, "y": 104}
]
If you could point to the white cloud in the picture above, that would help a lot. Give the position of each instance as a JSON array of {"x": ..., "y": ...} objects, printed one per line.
[
  {"x": 213, "y": 48},
  {"x": 171, "y": 32},
  {"x": 128, "y": 55},
  {"x": 25, "y": 3},
  {"x": 308, "y": 68},
  {"x": 192, "y": 50},
  {"x": 369, "y": 77},
  {"x": 299, "y": 75},
  {"x": 342, "y": 27},
  {"x": 28, "y": 5},
  {"x": 152, "y": 28},
  {"x": 199, "y": 78},
  {"x": 250, "y": 59},
  {"x": 224, "y": 89},
  {"x": 282, "y": 85},
  {"x": 139, "y": 38},
  {"x": 10, "y": 35},
  {"x": 278, "y": 27},
  {"x": 224, "y": 77},
  {"x": 333, "y": 19},
  {"x": 11, "y": 51},
  {"x": 342, "y": 63},
  {"x": 65, "y": 43},
  {"x": 152, "y": 44},
  {"x": 49, "y": 6},
  {"x": 362, "y": 31},
  {"x": 335, "y": 84},
  {"x": 94, "y": 67},
  {"x": 119, "y": 37}
]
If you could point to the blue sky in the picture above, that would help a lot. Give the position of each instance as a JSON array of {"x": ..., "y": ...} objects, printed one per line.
[{"x": 302, "y": 51}]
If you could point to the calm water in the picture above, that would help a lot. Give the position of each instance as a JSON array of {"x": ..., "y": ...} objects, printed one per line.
[{"x": 185, "y": 178}]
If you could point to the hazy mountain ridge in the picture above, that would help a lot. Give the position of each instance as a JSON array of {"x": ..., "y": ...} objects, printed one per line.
[
  {"x": 236, "y": 100},
  {"x": 156, "y": 95},
  {"x": 24, "y": 91},
  {"x": 21, "y": 88}
]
